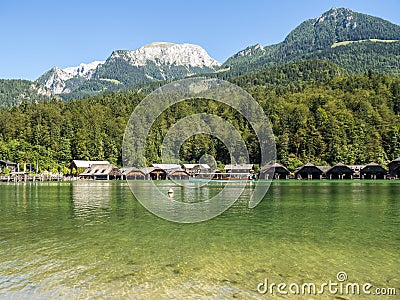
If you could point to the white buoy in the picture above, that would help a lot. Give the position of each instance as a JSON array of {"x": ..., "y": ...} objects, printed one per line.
[{"x": 171, "y": 193}]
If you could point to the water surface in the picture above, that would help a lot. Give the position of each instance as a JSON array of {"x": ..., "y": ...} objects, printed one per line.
[{"x": 79, "y": 240}]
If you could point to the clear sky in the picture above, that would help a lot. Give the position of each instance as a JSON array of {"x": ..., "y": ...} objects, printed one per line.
[{"x": 37, "y": 35}]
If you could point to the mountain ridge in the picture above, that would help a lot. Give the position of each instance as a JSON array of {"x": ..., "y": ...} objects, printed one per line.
[
  {"x": 354, "y": 41},
  {"x": 154, "y": 61},
  {"x": 312, "y": 36}
]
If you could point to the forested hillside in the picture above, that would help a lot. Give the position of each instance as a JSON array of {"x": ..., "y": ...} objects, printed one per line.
[
  {"x": 318, "y": 114},
  {"x": 366, "y": 43},
  {"x": 15, "y": 91}
]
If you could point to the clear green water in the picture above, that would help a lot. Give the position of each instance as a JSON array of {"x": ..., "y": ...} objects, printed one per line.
[{"x": 93, "y": 240}]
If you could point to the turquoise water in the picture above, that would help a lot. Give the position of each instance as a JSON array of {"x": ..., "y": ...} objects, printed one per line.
[{"x": 79, "y": 240}]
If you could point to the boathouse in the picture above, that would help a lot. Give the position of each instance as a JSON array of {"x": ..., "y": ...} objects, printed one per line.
[
  {"x": 356, "y": 170},
  {"x": 373, "y": 171},
  {"x": 102, "y": 172},
  {"x": 239, "y": 168},
  {"x": 178, "y": 175},
  {"x": 81, "y": 165},
  {"x": 132, "y": 173},
  {"x": 339, "y": 171},
  {"x": 308, "y": 171},
  {"x": 274, "y": 170},
  {"x": 394, "y": 168},
  {"x": 193, "y": 169},
  {"x": 153, "y": 173},
  {"x": 12, "y": 166}
]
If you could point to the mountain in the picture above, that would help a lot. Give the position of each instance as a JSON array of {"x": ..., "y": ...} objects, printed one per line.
[
  {"x": 15, "y": 91},
  {"x": 357, "y": 42},
  {"x": 155, "y": 61},
  {"x": 63, "y": 80}
]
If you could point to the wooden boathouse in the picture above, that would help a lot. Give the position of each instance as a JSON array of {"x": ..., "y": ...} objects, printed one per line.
[
  {"x": 274, "y": 171},
  {"x": 132, "y": 173},
  {"x": 339, "y": 171},
  {"x": 394, "y": 168},
  {"x": 308, "y": 171},
  {"x": 102, "y": 172},
  {"x": 373, "y": 171}
]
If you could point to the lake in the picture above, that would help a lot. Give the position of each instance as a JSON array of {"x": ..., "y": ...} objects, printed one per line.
[{"x": 90, "y": 239}]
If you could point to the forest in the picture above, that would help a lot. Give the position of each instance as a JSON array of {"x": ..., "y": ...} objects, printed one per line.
[{"x": 318, "y": 114}]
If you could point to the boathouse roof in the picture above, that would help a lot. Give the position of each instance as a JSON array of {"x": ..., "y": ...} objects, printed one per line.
[
  {"x": 167, "y": 167},
  {"x": 7, "y": 163},
  {"x": 239, "y": 167},
  {"x": 87, "y": 163},
  {"x": 191, "y": 166},
  {"x": 101, "y": 169},
  {"x": 276, "y": 166},
  {"x": 339, "y": 168}
]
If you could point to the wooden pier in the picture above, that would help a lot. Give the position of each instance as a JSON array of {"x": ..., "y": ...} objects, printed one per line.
[{"x": 33, "y": 178}]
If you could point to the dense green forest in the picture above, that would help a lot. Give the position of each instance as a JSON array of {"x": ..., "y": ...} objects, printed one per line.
[
  {"x": 318, "y": 114},
  {"x": 15, "y": 91}
]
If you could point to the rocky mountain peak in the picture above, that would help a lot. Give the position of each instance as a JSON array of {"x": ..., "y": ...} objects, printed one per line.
[{"x": 165, "y": 53}]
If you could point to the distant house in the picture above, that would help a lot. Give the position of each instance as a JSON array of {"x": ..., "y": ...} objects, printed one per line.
[
  {"x": 12, "y": 166},
  {"x": 239, "y": 168},
  {"x": 274, "y": 171},
  {"x": 81, "y": 165},
  {"x": 132, "y": 173},
  {"x": 394, "y": 168},
  {"x": 373, "y": 171},
  {"x": 193, "y": 169},
  {"x": 339, "y": 171},
  {"x": 308, "y": 171},
  {"x": 102, "y": 172}
]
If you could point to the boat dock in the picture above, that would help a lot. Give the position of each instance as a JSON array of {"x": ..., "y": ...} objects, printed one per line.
[{"x": 33, "y": 178}]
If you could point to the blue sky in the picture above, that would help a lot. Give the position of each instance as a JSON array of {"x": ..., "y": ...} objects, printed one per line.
[{"x": 37, "y": 35}]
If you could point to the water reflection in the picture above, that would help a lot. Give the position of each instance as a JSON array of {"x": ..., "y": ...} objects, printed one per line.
[{"x": 91, "y": 200}]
